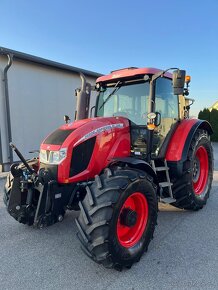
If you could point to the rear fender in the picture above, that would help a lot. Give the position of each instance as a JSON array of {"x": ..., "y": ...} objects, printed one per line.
[{"x": 180, "y": 142}]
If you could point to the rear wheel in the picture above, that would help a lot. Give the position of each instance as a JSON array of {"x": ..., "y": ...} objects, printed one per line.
[
  {"x": 118, "y": 217},
  {"x": 192, "y": 190}
]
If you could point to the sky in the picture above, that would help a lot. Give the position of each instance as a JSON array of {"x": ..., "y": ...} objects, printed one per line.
[{"x": 106, "y": 35}]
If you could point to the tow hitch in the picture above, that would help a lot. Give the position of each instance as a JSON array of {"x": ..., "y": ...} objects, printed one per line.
[{"x": 31, "y": 196}]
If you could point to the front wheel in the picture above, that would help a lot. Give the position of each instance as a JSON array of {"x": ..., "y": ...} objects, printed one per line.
[{"x": 118, "y": 217}]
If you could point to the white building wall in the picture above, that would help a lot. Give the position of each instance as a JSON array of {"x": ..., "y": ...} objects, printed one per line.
[{"x": 39, "y": 98}]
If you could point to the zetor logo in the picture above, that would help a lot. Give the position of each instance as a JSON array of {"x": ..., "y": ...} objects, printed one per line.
[{"x": 99, "y": 130}]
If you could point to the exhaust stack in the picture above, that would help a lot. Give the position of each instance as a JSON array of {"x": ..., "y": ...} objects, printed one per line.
[{"x": 83, "y": 99}]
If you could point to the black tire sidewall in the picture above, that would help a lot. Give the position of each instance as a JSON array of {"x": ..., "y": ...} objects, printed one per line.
[
  {"x": 123, "y": 255},
  {"x": 203, "y": 141}
]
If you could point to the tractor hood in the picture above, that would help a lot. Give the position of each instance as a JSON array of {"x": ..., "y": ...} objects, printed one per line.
[
  {"x": 82, "y": 130},
  {"x": 87, "y": 146}
]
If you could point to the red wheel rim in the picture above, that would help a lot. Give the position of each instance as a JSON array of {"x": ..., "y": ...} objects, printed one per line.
[
  {"x": 135, "y": 205},
  {"x": 200, "y": 170}
]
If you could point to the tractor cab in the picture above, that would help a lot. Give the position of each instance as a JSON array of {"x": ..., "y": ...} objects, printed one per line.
[{"x": 132, "y": 94}]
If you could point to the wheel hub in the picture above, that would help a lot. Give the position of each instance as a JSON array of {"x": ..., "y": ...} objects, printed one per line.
[
  {"x": 128, "y": 217},
  {"x": 132, "y": 219},
  {"x": 200, "y": 170},
  {"x": 196, "y": 169}
]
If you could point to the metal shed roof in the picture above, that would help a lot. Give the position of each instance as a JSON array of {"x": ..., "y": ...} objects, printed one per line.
[{"x": 31, "y": 58}]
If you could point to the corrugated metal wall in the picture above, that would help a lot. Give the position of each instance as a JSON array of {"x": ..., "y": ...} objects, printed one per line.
[{"x": 39, "y": 98}]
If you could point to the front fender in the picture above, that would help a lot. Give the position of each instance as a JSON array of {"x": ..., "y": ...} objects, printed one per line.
[{"x": 137, "y": 163}]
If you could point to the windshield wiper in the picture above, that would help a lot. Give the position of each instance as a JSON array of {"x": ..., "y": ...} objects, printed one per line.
[{"x": 116, "y": 88}]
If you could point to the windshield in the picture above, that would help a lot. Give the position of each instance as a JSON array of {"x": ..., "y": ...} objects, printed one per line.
[{"x": 127, "y": 100}]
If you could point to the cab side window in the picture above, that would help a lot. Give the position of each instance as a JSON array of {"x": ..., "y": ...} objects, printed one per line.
[{"x": 166, "y": 101}]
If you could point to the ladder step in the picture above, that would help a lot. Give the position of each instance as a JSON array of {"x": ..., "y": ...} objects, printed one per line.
[
  {"x": 162, "y": 168},
  {"x": 167, "y": 200},
  {"x": 165, "y": 184}
]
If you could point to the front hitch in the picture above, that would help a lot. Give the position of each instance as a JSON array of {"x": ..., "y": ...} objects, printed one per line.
[
  {"x": 32, "y": 197},
  {"x": 21, "y": 196}
]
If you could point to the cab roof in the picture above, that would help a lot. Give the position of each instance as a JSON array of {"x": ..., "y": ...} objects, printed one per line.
[{"x": 130, "y": 72}]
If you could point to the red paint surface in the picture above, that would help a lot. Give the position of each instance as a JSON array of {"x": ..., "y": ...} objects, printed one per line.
[
  {"x": 109, "y": 144},
  {"x": 177, "y": 142},
  {"x": 119, "y": 74},
  {"x": 129, "y": 236},
  {"x": 202, "y": 155}
]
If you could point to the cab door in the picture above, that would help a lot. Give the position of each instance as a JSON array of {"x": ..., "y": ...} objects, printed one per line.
[{"x": 166, "y": 103}]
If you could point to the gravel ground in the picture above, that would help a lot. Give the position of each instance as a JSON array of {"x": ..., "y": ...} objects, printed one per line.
[{"x": 183, "y": 254}]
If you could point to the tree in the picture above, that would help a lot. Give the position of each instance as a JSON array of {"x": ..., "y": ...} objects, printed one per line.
[
  {"x": 214, "y": 124},
  {"x": 212, "y": 118},
  {"x": 204, "y": 115}
]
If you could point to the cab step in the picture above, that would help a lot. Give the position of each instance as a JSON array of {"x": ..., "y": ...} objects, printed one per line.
[
  {"x": 167, "y": 200},
  {"x": 165, "y": 183},
  {"x": 161, "y": 168}
]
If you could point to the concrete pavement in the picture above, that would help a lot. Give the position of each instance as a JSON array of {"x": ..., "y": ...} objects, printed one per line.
[{"x": 183, "y": 254}]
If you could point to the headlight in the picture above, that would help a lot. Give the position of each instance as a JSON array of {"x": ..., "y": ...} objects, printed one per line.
[{"x": 53, "y": 157}]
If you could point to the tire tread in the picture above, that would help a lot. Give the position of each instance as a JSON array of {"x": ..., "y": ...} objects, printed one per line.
[{"x": 96, "y": 210}]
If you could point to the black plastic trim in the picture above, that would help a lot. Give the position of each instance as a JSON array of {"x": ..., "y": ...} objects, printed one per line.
[
  {"x": 52, "y": 169},
  {"x": 81, "y": 156},
  {"x": 137, "y": 163},
  {"x": 58, "y": 137}
]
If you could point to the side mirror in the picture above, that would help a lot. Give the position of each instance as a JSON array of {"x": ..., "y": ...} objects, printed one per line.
[
  {"x": 154, "y": 120},
  {"x": 157, "y": 120},
  {"x": 178, "y": 82}
]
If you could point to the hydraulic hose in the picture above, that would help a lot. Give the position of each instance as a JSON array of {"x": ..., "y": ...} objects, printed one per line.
[{"x": 21, "y": 157}]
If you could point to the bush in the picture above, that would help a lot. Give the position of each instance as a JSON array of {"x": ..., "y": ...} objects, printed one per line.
[
  {"x": 214, "y": 124},
  {"x": 204, "y": 115}
]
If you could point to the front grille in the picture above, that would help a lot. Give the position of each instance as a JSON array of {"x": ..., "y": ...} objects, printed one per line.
[{"x": 81, "y": 156}]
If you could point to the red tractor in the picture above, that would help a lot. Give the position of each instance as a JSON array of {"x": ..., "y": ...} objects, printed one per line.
[{"x": 140, "y": 148}]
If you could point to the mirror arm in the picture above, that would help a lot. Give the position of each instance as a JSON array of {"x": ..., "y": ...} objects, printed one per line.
[{"x": 93, "y": 107}]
